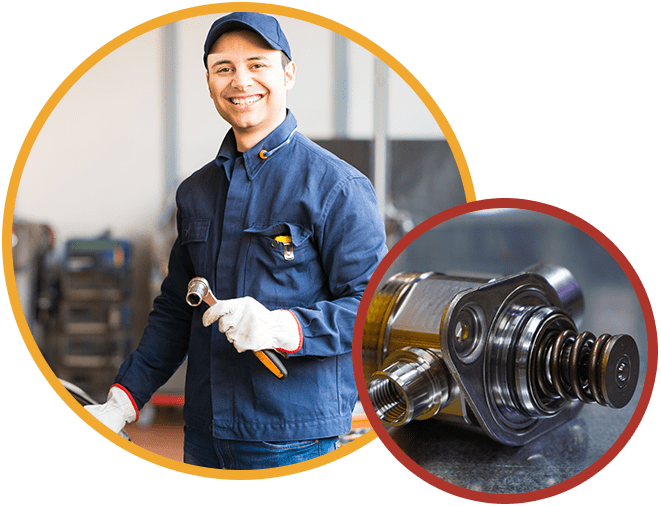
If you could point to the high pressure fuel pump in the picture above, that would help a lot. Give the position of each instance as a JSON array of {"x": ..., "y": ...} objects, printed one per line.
[{"x": 503, "y": 355}]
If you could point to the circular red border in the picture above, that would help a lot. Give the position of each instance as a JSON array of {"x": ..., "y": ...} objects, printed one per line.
[{"x": 505, "y": 203}]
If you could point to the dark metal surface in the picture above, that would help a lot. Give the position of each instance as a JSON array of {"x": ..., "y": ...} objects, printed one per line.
[{"x": 476, "y": 462}]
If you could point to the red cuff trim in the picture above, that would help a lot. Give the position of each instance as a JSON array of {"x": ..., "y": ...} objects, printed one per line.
[
  {"x": 300, "y": 335},
  {"x": 135, "y": 406}
]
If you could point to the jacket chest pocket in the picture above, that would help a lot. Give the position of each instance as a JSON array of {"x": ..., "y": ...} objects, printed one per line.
[
  {"x": 195, "y": 236},
  {"x": 283, "y": 268}
]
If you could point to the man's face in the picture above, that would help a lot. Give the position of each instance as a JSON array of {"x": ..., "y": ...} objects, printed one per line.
[{"x": 248, "y": 84}]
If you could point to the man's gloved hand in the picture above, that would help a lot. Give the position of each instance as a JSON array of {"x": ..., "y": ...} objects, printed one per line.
[
  {"x": 248, "y": 325},
  {"x": 118, "y": 410}
]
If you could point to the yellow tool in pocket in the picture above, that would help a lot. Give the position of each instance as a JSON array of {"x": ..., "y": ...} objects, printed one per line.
[{"x": 288, "y": 246}]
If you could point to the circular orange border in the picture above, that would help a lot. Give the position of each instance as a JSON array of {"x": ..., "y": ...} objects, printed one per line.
[
  {"x": 617, "y": 255},
  {"x": 38, "y": 124}
]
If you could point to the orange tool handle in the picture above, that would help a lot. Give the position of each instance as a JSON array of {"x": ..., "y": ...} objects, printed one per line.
[{"x": 272, "y": 362}]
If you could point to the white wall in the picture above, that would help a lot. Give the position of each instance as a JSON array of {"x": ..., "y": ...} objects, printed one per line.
[
  {"x": 98, "y": 163},
  {"x": 408, "y": 117}
]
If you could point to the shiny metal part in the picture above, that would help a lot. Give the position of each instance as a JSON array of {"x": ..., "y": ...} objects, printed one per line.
[
  {"x": 198, "y": 291},
  {"x": 414, "y": 384},
  {"x": 500, "y": 354}
]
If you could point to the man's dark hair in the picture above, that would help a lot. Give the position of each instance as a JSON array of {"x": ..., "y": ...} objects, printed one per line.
[{"x": 285, "y": 60}]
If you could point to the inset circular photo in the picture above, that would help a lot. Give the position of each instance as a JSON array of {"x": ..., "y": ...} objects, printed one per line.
[{"x": 505, "y": 351}]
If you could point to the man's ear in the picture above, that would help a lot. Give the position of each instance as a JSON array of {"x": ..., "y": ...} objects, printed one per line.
[
  {"x": 290, "y": 75},
  {"x": 208, "y": 85}
]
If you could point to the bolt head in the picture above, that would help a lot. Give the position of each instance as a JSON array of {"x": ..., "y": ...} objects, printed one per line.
[{"x": 462, "y": 331}]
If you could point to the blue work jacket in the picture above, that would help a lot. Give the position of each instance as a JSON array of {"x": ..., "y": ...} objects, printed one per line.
[{"x": 228, "y": 214}]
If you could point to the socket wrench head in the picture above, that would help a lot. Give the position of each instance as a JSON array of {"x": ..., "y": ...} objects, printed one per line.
[{"x": 198, "y": 289}]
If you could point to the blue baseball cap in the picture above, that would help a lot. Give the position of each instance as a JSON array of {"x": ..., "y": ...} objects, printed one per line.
[{"x": 266, "y": 26}]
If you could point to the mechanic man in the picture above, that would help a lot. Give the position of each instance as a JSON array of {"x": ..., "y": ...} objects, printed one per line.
[{"x": 288, "y": 236}]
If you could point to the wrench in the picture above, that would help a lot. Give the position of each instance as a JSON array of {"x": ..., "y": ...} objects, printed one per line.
[{"x": 198, "y": 291}]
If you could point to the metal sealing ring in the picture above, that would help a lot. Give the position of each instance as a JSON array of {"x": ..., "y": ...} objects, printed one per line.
[{"x": 540, "y": 328}]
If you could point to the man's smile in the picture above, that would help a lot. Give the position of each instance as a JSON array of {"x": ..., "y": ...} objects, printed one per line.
[{"x": 245, "y": 101}]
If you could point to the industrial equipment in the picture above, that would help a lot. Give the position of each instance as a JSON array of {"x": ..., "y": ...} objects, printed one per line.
[
  {"x": 95, "y": 312},
  {"x": 500, "y": 355},
  {"x": 32, "y": 246}
]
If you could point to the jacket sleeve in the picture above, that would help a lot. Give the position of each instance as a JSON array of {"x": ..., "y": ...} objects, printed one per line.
[
  {"x": 164, "y": 343},
  {"x": 352, "y": 241}
]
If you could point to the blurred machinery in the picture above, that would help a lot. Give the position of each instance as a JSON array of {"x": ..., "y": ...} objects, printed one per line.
[
  {"x": 77, "y": 302},
  {"x": 92, "y": 336},
  {"x": 31, "y": 245}
]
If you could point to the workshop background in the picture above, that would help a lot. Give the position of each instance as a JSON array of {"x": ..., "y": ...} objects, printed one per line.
[
  {"x": 557, "y": 103},
  {"x": 94, "y": 214}
]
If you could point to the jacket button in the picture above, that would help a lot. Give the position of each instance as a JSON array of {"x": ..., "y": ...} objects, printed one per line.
[{"x": 274, "y": 244}]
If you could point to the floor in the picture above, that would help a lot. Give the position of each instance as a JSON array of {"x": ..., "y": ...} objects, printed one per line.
[{"x": 163, "y": 436}]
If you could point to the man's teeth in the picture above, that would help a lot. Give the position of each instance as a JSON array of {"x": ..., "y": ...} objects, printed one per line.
[{"x": 246, "y": 101}]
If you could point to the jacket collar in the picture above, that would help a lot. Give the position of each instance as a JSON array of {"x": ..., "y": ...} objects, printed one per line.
[{"x": 255, "y": 158}]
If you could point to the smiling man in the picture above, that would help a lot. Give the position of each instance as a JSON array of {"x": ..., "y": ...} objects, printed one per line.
[
  {"x": 287, "y": 236},
  {"x": 248, "y": 82}
]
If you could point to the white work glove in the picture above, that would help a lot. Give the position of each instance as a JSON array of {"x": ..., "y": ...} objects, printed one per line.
[
  {"x": 248, "y": 325},
  {"x": 118, "y": 410}
]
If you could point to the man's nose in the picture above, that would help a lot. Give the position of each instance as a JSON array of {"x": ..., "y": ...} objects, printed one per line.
[{"x": 242, "y": 79}]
